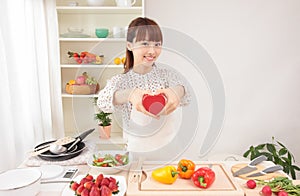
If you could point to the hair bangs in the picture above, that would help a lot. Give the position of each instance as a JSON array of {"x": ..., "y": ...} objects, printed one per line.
[{"x": 148, "y": 33}]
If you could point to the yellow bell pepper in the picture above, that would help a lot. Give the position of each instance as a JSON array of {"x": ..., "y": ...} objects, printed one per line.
[{"x": 166, "y": 175}]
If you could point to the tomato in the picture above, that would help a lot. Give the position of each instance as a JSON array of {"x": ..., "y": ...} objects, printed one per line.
[{"x": 118, "y": 157}]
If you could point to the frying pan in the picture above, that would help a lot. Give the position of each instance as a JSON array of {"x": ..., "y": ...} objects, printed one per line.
[{"x": 73, "y": 152}]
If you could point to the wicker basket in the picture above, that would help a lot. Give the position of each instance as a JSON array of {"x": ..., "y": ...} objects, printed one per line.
[{"x": 83, "y": 89}]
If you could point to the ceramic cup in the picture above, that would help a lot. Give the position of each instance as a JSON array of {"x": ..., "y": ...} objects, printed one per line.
[
  {"x": 125, "y": 3},
  {"x": 118, "y": 32}
]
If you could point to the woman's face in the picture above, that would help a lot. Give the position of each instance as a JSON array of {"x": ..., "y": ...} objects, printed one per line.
[{"x": 145, "y": 52}]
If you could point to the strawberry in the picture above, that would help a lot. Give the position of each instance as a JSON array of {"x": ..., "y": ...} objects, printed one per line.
[
  {"x": 105, "y": 191},
  {"x": 99, "y": 180},
  {"x": 112, "y": 179},
  {"x": 113, "y": 187},
  {"x": 105, "y": 182},
  {"x": 83, "y": 180},
  {"x": 85, "y": 192},
  {"x": 74, "y": 185},
  {"x": 95, "y": 191},
  {"x": 89, "y": 177},
  {"x": 79, "y": 189},
  {"x": 88, "y": 185}
]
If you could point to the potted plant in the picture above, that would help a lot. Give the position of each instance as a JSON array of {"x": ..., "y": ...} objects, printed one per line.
[
  {"x": 277, "y": 153},
  {"x": 104, "y": 124}
]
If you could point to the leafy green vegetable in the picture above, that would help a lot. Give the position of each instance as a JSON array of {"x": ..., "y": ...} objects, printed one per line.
[
  {"x": 281, "y": 183},
  {"x": 277, "y": 153}
]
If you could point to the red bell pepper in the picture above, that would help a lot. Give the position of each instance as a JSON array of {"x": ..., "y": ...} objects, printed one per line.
[{"x": 203, "y": 177}]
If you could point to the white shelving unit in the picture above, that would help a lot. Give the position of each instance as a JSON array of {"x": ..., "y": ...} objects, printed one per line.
[{"x": 78, "y": 110}]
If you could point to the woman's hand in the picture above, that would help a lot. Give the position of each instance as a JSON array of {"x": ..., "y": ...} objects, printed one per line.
[{"x": 173, "y": 95}]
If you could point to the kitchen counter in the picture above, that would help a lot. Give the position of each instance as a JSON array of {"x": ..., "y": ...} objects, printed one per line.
[{"x": 52, "y": 189}]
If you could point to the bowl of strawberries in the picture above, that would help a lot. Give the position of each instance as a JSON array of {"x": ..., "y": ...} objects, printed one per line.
[{"x": 104, "y": 185}]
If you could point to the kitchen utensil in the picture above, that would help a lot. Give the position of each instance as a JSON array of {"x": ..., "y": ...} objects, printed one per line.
[
  {"x": 118, "y": 32},
  {"x": 75, "y": 151},
  {"x": 24, "y": 181},
  {"x": 59, "y": 149},
  {"x": 101, "y": 32},
  {"x": 85, "y": 134},
  {"x": 95, "y": 2},
  {"x": 223, "y": 184},
  {"x": 48, "y": 156},
  {"x": 251, "y": 166},
  {"x": 75, "y": 30},
  {"x": 46, "y": 146},
  {"x": 266, "y": 171}
]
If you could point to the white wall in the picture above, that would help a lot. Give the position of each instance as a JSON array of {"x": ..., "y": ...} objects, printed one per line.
[{"x": 256, "y": 47}]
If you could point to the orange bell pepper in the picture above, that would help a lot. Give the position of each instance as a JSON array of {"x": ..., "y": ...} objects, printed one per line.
[{"x": 186, "y": 168}]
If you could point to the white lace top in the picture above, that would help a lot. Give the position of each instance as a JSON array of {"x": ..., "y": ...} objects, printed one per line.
[{"x": 158, "y": 78}]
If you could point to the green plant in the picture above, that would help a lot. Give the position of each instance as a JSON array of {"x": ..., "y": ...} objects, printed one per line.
[
  {"x": 277, "y": 153},
  {"x": 103, "y": 118}
]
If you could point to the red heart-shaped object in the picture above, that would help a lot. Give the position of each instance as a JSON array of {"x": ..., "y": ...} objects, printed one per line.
[{"x": 154, "y": 103}]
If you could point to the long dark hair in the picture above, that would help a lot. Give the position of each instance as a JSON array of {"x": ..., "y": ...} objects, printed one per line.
[{"x": 141, "y": 28}]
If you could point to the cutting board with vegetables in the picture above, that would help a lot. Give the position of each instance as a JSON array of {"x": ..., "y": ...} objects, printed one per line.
[
  {"x": 144, "y": 184},
  {"x": 259, "y": 167}
]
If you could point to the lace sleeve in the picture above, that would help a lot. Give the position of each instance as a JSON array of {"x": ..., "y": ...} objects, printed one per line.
[
  {"x": 105, "y": 96},
  {"x": 175, "y": 79}
]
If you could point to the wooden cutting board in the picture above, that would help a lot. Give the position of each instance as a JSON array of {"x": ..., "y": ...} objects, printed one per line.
[
  {"x": 223, "y": 184},
  {"x": 259, "y": 168}
]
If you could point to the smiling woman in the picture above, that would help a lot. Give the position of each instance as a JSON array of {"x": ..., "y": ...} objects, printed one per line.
[
  {"x": 25, "y": 81},
  {"x": 147, "y": 126}
]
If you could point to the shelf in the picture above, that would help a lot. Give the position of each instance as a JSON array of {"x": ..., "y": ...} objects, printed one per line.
[
  {"x": 90, "y": 66},
  {"x": 66, "y": 95},
  {"x": 77, "y": 110},
  {"x": 98, "y": 10},
  {"x": 92, "y": 39}
]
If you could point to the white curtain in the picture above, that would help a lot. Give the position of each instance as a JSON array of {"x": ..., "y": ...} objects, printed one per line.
[{"x": 30, "y": 101}]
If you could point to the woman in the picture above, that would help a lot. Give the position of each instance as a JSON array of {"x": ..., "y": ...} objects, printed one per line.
[{"x": 124, "y": 92}]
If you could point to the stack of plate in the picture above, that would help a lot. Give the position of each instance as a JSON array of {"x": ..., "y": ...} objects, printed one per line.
[{"x": 16, "y": 182}]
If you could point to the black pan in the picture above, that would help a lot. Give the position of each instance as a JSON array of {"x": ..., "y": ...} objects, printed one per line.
[{"x": 75, "y": 151}]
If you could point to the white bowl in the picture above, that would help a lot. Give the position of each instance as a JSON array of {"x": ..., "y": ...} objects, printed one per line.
[
  {"x": 24, "y": 181},
  {"x": 75, "y": 30},
  {"x": 96, "y": 2},
  {"x": 109, "y": 170}
]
